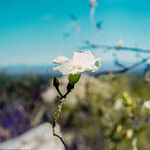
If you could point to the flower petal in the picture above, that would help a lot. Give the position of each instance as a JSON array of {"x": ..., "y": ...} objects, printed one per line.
[
  {"x": 83, "y": 58},
  {"x": 65, "y": 68},
  {"x": 81, "y": 62},
  {"x": 60, "y": 59}
]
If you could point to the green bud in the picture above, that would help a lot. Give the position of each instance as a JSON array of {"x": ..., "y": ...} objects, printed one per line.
[
  {"x": 127, "y": 100},
  {"x": 74, "y": 78}
]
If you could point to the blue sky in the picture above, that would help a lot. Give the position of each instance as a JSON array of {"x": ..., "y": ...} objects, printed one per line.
[{"x": 31, "y": 31}]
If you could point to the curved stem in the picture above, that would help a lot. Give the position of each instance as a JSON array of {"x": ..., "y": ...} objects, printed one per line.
[
  {"x": 58, "y": 136},
  {"x": 56, "y": 116}
]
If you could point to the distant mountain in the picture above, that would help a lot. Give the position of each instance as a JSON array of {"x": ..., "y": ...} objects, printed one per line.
[
  {"x": 24, "y": 69},
  {"x": 47, "y": 69}
]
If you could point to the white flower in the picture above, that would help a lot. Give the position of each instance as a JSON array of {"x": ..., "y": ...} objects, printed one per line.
[
  {"x": 118, "y": 104},
  {"x": 81, "y": 62},
  {"x": 129, "y": 134},
  {"x": 146, "y": 105}
]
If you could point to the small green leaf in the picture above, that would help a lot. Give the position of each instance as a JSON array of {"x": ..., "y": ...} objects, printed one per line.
[{"x": 74, "y": 78}]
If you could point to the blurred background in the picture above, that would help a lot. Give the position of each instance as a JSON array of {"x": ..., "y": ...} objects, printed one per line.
[{"x": 106, "y": 110}]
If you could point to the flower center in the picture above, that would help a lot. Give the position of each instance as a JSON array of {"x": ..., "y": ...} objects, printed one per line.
[{"x": 77, "y": 67}]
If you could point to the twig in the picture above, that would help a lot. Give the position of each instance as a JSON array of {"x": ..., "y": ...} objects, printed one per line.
[
  {"x": 58, "y": 136},
  {"x": 125, "y": 69},
  {"x": 96, "y": 46}
]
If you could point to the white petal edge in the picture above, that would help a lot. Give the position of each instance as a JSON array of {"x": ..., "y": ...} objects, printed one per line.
[{"x": 60, "y": 59}]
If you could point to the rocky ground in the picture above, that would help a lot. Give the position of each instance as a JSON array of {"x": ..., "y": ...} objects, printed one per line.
[{"x": 39, "y": 138}]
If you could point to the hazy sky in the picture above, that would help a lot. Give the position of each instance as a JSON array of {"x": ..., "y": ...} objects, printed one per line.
[{"x": 31, "y": 31}]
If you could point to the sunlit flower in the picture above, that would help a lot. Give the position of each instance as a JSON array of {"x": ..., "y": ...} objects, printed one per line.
[
  {"x": 129, "y": 134},
  {"x": 146, "y": 105},
  {"x": 134, "y": 144},
  {"x": 81, "y": 62},
  {"x": 119, "y": 128},
  {"x": 118, "y": 104}
]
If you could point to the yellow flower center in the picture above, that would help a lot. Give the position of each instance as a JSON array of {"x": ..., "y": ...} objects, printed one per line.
[{"x": 77, "y": 67}]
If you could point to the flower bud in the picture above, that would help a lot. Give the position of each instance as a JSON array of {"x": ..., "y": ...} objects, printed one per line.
[
  {"x": 127, "y": 99},
  {"x": 74, "y": 78},
  {"x": 69, "y": 87},
  {"x": 55, "y": 82}
]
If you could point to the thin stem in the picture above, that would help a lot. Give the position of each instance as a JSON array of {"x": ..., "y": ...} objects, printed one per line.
[
  {"x": 58, "y": 136},
  {"x": 57, "y": 115},
  {"x": 59, "y": 91}
]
